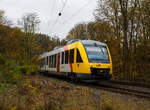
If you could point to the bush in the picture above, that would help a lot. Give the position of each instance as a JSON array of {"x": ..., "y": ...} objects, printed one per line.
[
  {"x": 11, "y": 72},
  {"x": 29, "y": 69},
  {"x": 2, "y": 61}
]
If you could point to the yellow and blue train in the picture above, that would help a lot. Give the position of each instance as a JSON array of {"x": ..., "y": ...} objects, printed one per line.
[{"x": 83, "y": 59}]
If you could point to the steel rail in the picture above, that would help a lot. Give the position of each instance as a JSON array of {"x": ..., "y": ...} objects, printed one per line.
[{"x": 108, "y": 86}]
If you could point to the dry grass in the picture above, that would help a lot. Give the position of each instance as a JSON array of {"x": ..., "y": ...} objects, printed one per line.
[
  {"x": 114, "y": 101},
  {"x": 39, "y": 93}
]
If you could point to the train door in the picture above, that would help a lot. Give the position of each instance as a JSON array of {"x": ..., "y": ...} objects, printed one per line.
[
  {"x": 58, "y": 63},
  {"x": 78, "y": 62}
]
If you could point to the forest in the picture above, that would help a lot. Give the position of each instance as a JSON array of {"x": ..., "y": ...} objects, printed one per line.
[{"x": 122, "y": 24}]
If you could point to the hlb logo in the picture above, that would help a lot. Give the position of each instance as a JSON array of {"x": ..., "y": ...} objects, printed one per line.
[{"x": 98, "y": 65}]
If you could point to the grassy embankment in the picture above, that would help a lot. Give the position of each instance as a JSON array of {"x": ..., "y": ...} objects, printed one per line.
[{"x": 40, "y": 93}]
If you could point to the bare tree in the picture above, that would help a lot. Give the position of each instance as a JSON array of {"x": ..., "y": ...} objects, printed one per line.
[
  {"x": 4, "y": 20},
  {"x": 29, "y": 24}
]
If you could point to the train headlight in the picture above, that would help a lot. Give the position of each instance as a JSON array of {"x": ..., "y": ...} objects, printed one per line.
[{"x": 91, "y": 65}]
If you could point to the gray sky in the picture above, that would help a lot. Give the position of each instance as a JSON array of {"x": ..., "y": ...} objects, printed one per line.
[{"x": 75, "y": 11}]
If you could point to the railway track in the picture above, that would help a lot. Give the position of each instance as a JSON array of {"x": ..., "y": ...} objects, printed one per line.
[
  {"x": 132, "y": 83},
  {"x": 112, "y": 86},
  {"x": 125, "y": 89},
  {"x": 118, "y": 88}
]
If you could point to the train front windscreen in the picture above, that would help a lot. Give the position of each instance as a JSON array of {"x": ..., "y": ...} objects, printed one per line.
[{"x": 97, "y": 54}]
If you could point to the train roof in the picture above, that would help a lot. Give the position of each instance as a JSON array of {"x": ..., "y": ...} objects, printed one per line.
[
  {"x": 92, "y": 42},
  {"x": 84, "y": 42}
]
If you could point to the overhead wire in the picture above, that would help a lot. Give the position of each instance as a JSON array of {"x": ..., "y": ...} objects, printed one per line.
[
  {"x": 64, "y": 4},
  {"x": 51, "y": 13},
  {"x": 73, "y": 15},
  {"x": 77, "y": 12}
]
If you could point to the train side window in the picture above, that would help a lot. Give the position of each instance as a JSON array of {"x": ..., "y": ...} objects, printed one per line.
[
  {"x": 79, "y": 59},
  {"x": 46, "y": 60},
  {"x": 66, "y": 57},
  {"x": 62, "y": 58},
  {"x": 55, "y": 60},
  {"x": 52, "y": 61},
  {"x": 72, "y": 56},
  {"x": 43, "y": 61},
  {"x": 49, "y": 61}
]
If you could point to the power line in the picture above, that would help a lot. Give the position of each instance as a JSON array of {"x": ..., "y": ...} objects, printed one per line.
[
  {"x": 53, "y": 6},
  {"x": 51, "y": 13},
  {"x": 77, "y": 12},
  {"x": 64, "y": 4}
]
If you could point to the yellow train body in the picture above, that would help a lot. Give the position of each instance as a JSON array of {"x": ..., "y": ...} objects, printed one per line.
[{"x": 85, "y": 67}]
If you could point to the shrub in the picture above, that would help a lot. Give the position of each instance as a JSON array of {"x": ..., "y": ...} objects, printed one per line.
[
  {"x": 11, "y": 72},
  {"x": 29, "y": 69},
  {"x": 2, "y": 61}
]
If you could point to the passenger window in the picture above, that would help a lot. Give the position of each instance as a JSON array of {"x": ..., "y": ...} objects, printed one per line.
[
  {"x": 46, "y": 60},
  {"x": 55, "y": 61},
  {"x": 62, "y": 58},
  {"x": 49, "y": 61},
  {"x": 79, "y": 59},
  {"x": 72, "y": 56},
  {"x": 52, "y": 61},
  {"x": 43, "y": 61},
  {"x": 66, "y": 57}
]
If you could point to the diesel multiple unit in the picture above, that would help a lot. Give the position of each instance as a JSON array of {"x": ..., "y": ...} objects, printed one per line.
[{"x": 83, "y": 59}]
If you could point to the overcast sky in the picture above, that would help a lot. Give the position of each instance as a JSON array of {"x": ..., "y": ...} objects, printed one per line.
[{"x": 75, "y": 11}]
